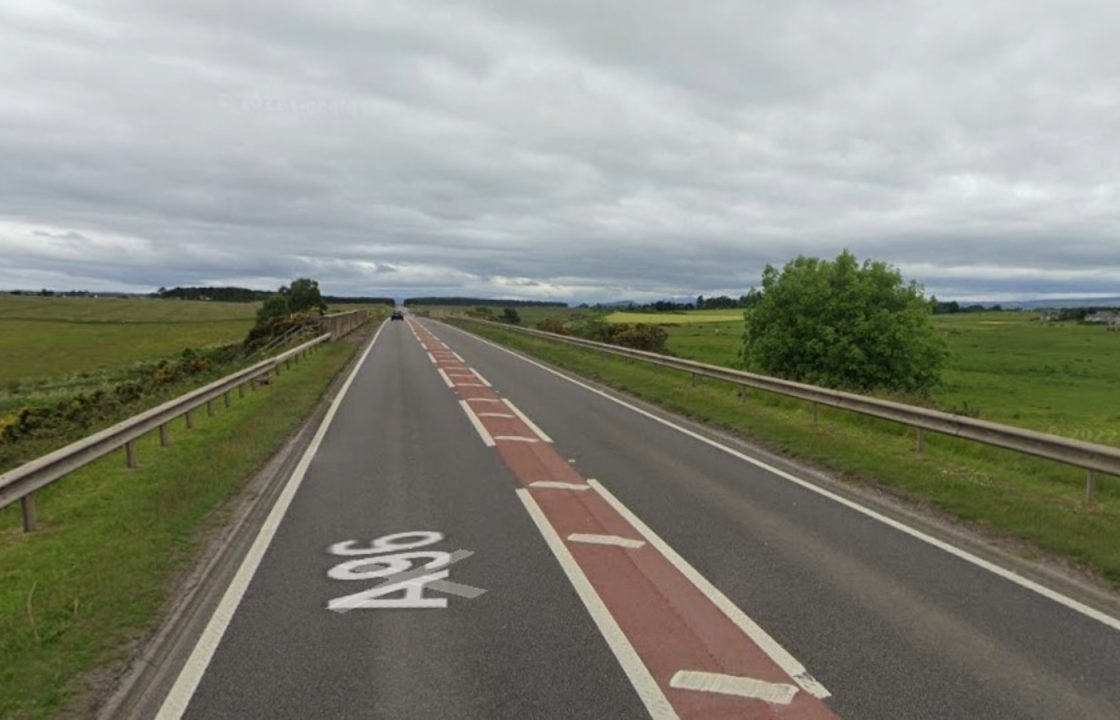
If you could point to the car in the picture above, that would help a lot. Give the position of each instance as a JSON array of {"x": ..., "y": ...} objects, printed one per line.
[{"x": 397, "y": 315}]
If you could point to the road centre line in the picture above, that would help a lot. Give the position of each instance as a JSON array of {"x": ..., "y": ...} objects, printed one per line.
[
  {"x": 753, "y": 688},
  {"x": 478, "y": 426},
  {"x": 1009, "y": 575},
  {"x": 179, "y": 697},
  {"x": 525, "y": 419},
  {"x": 788, "y": 663},
  {"x": 595, "y": 539},
  {"x": 651, "y": 695}
]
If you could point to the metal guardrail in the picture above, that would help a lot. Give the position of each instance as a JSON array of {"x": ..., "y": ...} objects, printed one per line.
[
  {"x": 22, "y": 482},
  {"x": 1089, "y": 456}
]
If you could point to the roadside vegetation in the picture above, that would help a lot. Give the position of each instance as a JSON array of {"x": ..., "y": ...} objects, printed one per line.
[{"x": 75, "y": 593}]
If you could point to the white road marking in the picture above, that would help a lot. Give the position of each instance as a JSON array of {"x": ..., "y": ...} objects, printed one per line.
[
  {"x": 516, "y": 438},
  {"x": 433, "y": 359},
  {"x": 594, "y": 539},
  {"x": 481, "y": 379},
  {"x": 747, "y": 687},
  {"x": 525, "y": 419},
  {"x": 462, "y": 384},
  {"x": 478, "y": 426},
  {"x": 483, "y": 400},
  {"x": 446, "y": 379},
  {"x": 501, "y": 415},
  {"x": 553, "y": 485},
  {"x": 458, "y": 357},
  {"x": 657, "y": 705},
  {"x": 1009, "y": 575},
  {"x": 175, "y": 704},
  {"x": 750, "y": 628}
]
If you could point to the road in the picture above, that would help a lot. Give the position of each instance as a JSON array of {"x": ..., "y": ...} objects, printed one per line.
[{"x": 471, "y": 535}]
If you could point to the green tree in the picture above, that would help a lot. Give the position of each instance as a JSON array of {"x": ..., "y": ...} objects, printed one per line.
[
  {"x": 304, "y": 296},
  {"x": 511, "y": 316},
  {"x": 845, "y": 325}
]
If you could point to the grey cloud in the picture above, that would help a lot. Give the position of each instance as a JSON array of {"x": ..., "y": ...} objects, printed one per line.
[{"x": 574, "y": 150}]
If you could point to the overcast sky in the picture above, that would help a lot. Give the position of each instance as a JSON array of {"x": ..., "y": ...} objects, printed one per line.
[{"x": 575, "y": 150}]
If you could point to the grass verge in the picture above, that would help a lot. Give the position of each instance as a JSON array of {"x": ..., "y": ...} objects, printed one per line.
[
  {"x": 1032, "y": 500},
  {"x": 73, "y": 594}
]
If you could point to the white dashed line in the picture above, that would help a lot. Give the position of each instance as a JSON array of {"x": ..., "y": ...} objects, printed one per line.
[
  {"x": 594, "y": 539},
  {"x": 446, "y": 379},
  {"x": 478, "y": 426},
  {"x": 525, "y": 419}
]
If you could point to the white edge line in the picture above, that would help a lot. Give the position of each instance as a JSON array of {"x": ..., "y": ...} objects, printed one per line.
[
  {"x": 446, "y": 379},
  {"x": 968, "y": 557},
  {"x": 525, "y": 419},
  {"x": 594, "y": 539},
  {"x": 750, "y": 628},
  {"x": 657, "y": 705},
  {"x": 179, "y": 697},
  {"x": 481, "y": 379},
  {"x": 482, "y": 431}
]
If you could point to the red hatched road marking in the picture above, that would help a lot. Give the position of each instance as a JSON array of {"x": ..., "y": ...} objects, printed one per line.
[{"x": 671, "y": 623}]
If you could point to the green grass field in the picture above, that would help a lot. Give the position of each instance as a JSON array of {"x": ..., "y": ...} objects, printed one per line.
[
  {"x": 52, "y": 337},
  {"x": 691, "y": 317},
  {"x": 1060, "y": 378}
]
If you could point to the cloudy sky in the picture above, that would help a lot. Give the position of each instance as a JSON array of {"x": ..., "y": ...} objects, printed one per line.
[{"x": 576, "y": 150}]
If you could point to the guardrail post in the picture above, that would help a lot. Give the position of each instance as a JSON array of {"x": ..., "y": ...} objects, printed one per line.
[
  {"x": 164, "y": 441},
  {"x": 189, "y": 418},
  {"x": 241, "y": 389},
  {"x": 130, "y": 454},
  {"x": 27, "y": 510},
  {"x": 815, "y": 413},
  {"x": 1090, "y": 486},
  {"x": 288, "y": 363},
  {"x": 209, "y": 408},
  {"x": 225, "y": 398},
  {"x": 693, "y": 379},
  {"x": 921, "y": 446}
]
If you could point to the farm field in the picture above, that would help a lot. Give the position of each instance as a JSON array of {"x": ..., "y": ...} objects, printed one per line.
[
  {"x": 1060, "y": 378},
  {"x": 49, "y": 337}
]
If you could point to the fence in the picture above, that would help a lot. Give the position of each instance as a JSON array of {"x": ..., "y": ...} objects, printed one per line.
[
  {"x": 22, "y": 482},
  {"x": 1091, "y": 457}
]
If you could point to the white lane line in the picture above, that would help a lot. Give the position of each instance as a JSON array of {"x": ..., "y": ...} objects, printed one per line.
[
  {"x": 446, "y": 379},
  {"x": 481, "y": 379},
  {"x": 1009, "y": 575},
  {"x": 595, "y": 539},
  {"x": 501, "y": 415},
  {"x": 554, "y": 485},
  {"x": 175, "y": 704},
  {"x": 750, "y": 628},
  {"x": 443, "y": 345},
  {"x": 657, "y": 705},
  {"x": 478, "y": 426},
  {"x": 458, "y": 357},
  {"x": 433, "y": 359},
  {"x": 525, "y": 419},
  {"x": 516, "y": 438},
  {"x": 747, "y": 687}
]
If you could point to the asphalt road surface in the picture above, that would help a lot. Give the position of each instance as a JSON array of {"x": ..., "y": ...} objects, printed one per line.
[{"x": 471, "y": 535}]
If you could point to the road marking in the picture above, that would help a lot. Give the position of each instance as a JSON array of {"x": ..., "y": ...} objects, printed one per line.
[
  {"x": 594, "y": 539},
  {"x": 753, "y": 688},
  {"x": 525, "y": 419},
  {"x": 657, "y": 705},
  {"x": 458, "y": 357},
  {"x": 175, "y": 704},
  {"x": 750, "y": 628},
  {"x": 446, "y": 379},
  {"x": 469, "y": 385},
  {"x": 1009, "y": 575},
  {"x": 516, "y": 438},
  {"x": 433, "y": 359},
  {"x": 478, "y": 426},
  {"x": 481, "y": 379},
  {"x": 554, "y": 485},
  {"x": 501, "y": 415},
  {"x": 482, "y": 399}
]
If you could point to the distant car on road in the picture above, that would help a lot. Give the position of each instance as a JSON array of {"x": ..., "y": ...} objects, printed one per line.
[{"x": 397, "y": 315}]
